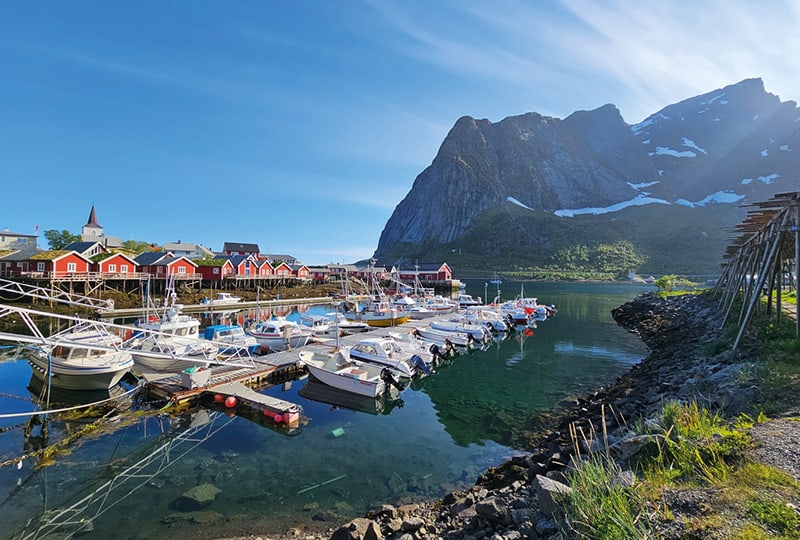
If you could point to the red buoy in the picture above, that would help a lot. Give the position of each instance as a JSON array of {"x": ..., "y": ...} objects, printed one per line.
[
  {"x": 278, "y": 418},
  {"x": 230, "y": 402},
  {"x": 218, "y": 398}
]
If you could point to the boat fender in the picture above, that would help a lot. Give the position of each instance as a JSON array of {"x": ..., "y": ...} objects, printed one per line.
[{"x": 490, "y": 326}]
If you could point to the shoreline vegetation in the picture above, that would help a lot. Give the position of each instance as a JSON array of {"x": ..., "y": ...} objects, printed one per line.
[{"x": 695, "y": 441}]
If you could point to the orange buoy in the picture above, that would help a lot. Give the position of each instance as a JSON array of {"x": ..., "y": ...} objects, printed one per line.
[{"x": 230, "y": 402}]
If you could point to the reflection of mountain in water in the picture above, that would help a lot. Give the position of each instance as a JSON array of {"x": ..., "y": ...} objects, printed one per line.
[
  {"x": 321, "y": 392},
  {"x": 498, "y": 394},
  {"x": 571, "y": 349}
]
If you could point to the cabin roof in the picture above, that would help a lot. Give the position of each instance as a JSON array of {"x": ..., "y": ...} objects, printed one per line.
[{"x": 237, "y": 246}]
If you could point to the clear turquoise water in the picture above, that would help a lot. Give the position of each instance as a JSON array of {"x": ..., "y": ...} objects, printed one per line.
[{"x": 127, "y": 480}]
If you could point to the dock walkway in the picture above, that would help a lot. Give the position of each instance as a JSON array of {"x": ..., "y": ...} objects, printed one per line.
[{"x": 270, "y": 369}]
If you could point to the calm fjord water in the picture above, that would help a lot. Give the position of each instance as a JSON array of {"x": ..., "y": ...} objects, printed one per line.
[{"x": 350, "y": 456}]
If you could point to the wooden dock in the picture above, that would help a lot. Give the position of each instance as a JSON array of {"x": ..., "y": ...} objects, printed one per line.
[{"x": 237, "y": 381}]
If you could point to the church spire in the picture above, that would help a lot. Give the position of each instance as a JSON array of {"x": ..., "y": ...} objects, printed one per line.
[{"x": 93, "y": 219}]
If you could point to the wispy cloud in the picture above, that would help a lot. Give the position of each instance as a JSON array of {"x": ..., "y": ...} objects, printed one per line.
[{"x": 639, "y": 55}]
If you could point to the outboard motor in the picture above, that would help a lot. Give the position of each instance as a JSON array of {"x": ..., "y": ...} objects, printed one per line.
[
  {"x": 419, "y": 365},
  {"x": 388, "y": 378},
  {"x": 510, "y": 320},
  {"x": 449, "y": 348},
  {"x": 436, "y": 352}
]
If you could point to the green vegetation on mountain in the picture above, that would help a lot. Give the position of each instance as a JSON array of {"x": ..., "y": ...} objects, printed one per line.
[{"x": 656, "y": 239}]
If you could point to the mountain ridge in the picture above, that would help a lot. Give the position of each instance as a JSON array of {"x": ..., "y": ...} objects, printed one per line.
[{"x": 731, "y": 146}]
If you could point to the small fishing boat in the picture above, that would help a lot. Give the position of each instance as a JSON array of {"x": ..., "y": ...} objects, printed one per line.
[
  {"x": 83, "y": 357},
  {"x": 232, "y": 339},
  {"x": 477, "y": 331},
  {"x": 222, "y": 299},
  {"x": 340, "y": 371},
  {"x": 279, "y": 334},
  {"x": 385, "y": 351}
]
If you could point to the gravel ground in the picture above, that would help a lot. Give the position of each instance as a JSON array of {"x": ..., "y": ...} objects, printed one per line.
[{"x": 777, "y": 443}]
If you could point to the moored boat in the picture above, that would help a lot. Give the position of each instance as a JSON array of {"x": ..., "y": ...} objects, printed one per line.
[
  {"x": 339, "y": 371},
  {"x": 389, "y": 353},
  {"x": 232, "y": 339},
  {"x": 223, "y": 299},
  {"x": 170, "y": 343},
  {"x": 279, "y": 334},
  {"x": 477, "y": 331},
  {"x": 83, "y": 357}
]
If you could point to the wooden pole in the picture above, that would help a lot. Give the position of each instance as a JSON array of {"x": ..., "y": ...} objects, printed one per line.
[
  {"x": 756, "y": 293},
  {"x": 779, "y": 275},
  {"x": 796, "y": 270}
]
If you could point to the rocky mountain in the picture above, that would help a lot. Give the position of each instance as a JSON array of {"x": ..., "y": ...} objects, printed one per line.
[{"x": 517, "y": 191}]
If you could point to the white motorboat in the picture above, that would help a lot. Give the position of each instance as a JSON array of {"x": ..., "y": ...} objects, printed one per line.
[
  {"x": 340, "y": 371},
  {"x": 170, "y": 343},
  {"x": 341, "y": 323},
  {"x": 83, "y": 357},
  {"x": 317, "y": 323},
  {"x": 492, "y": 320},
  {"x": 439, "y": 305},
  {"x": 331, "y": 323},
  {"x": 416, "y": 311},
  {"x": 477, "y": 331},
  {"x": 279, "y": 334},
  {"x": 389, "y": 353},
  {"x": 440, "y": 337},
  {"x": 223, "y": 299},
  {"x": 433, "y": 353},
  {"x": 466, "y": 300},
  {"x": 232, "y": 339}
]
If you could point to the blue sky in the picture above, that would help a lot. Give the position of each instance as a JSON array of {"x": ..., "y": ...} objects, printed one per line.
[{"x": 300, "y": 125}]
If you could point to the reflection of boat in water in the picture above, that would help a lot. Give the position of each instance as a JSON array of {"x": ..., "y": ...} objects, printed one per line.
[
  {"x": 315, "y": 390},
  {"x": 118, "y": 396}
]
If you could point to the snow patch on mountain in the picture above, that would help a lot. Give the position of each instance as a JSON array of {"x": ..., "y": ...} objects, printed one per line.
[
  {"x": 689, "y": 143},
  {"x": 639, "y": 200},
  {"x": 666, "y": 151},
  {"x": 643, "y": 185},
  {"x": 725, "y": 196},
  {"x": 762, "y": 179},
  {"x": 518, "y": 203}
]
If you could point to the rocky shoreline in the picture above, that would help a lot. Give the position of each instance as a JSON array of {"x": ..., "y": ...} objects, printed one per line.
[{"x": 514, "y": 500}]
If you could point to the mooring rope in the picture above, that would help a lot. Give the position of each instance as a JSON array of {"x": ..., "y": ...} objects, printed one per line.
[{"x": 73, "y": 408}]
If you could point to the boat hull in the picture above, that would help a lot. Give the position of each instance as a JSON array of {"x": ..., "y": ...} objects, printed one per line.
[
  {"x": 77, "y": 377},
  {"x": 279, "y": 343},
  {"x": 347, "y": 381},
  {"x": 387, "y": 321}
]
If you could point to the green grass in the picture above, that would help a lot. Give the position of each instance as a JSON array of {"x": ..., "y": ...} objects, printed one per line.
[{"x": 603, "y": 508}]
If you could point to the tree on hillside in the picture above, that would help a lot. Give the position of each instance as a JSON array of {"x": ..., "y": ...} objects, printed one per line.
[
  {"x": 136, "y": 246},
  {"x": 620, "y": 257},
  {"x": 60, "y": 239}
]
